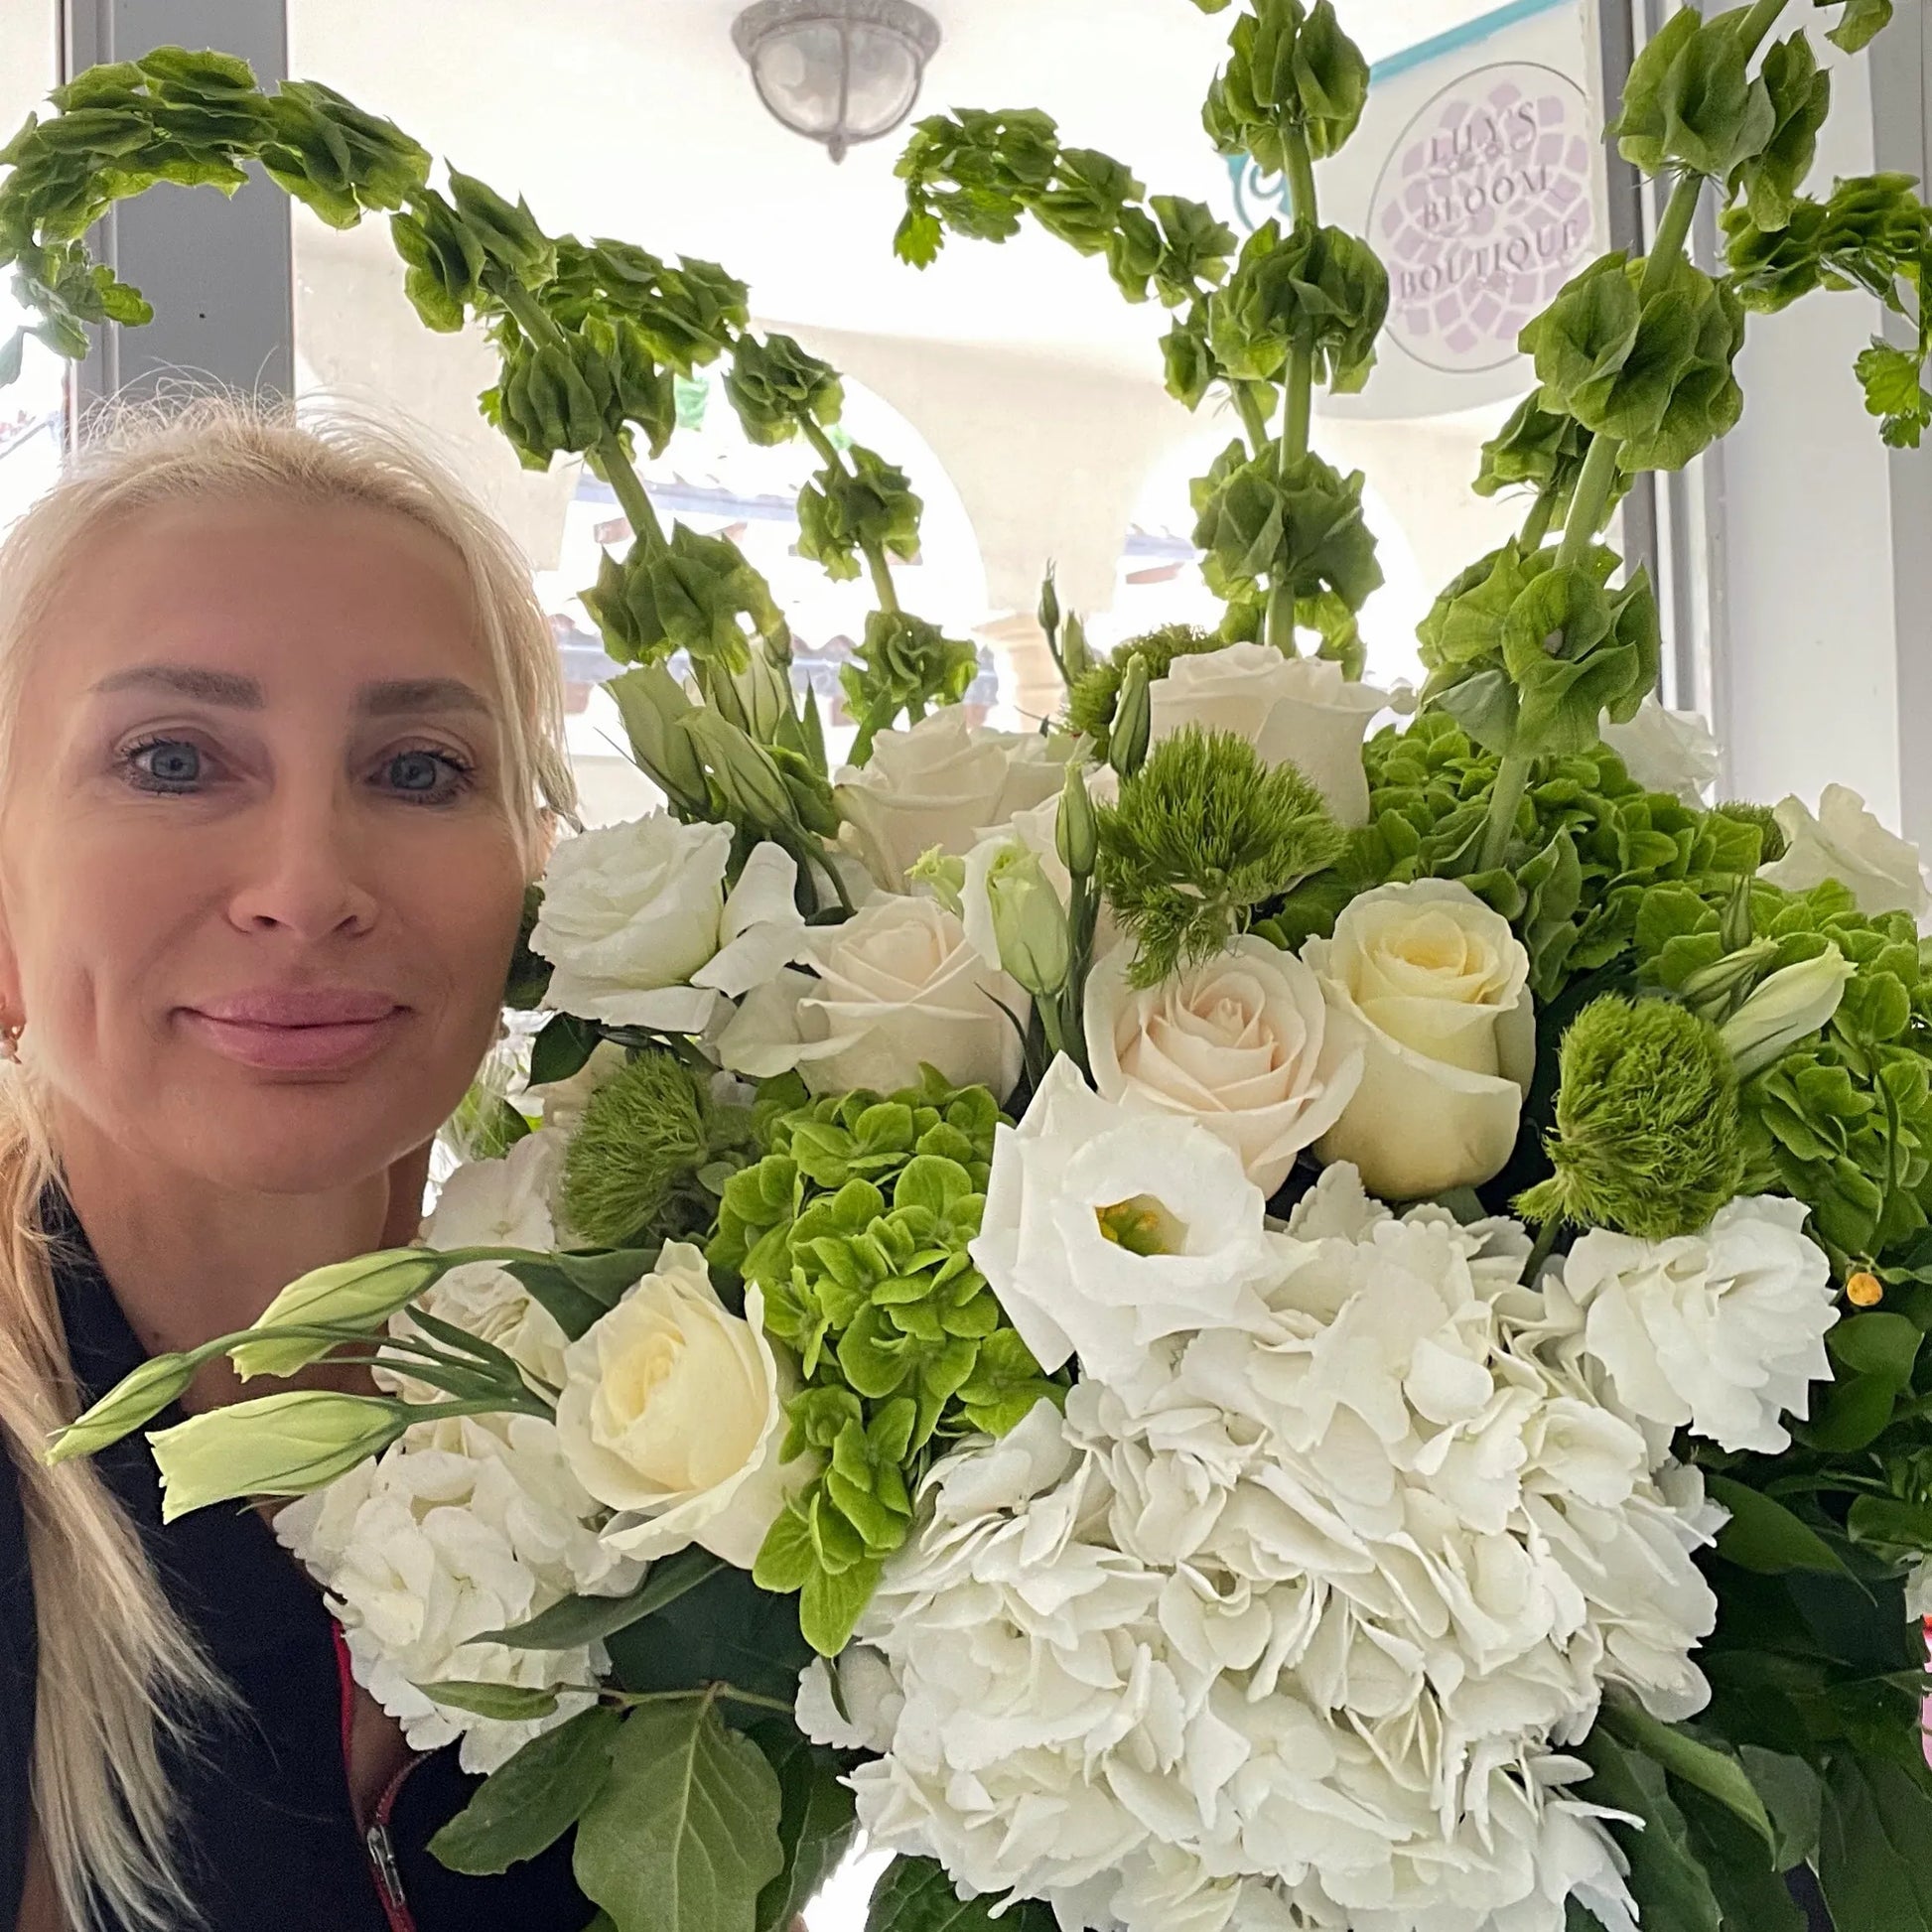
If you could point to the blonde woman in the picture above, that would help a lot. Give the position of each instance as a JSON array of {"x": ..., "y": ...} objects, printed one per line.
[{"x": 279, "y": 745}]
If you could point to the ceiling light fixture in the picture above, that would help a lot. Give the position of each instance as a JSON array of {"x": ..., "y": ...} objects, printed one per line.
[{"x": 837, "y": 71}]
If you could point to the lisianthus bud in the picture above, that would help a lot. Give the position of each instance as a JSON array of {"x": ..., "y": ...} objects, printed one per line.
[
  {"x": 752, "y": 787},
  {"x": 1029, "y": 922},
  {"x": 1712, "y": 991},
  {"x": 1050, "y": 604},
  {"x": 136, "y": 1399},
  {"x": 1793, "y": 1002},
  {"x": 1133, "y": 720},
  {"x": 1076, "y": 832},
  {"x": 651, "y": 704},
  {"x": 943, "y": 873},
  {"x": 360, "y": 1295},
  {"x": 276, "y": 1445},
  {"x": 755, "y": 699},
  {"x": 1074, "y": 652}
]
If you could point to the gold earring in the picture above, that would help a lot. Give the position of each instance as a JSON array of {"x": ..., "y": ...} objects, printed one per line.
[{"x": 10, "y": 1040}]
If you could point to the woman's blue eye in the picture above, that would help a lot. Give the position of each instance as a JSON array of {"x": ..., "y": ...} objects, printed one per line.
[
  {"x": 166, "y": 763},
  {"x": 429, "y": 777},
  {"x": 415, "y": 771}
]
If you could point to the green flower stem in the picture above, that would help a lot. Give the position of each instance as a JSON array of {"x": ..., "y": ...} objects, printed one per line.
[
  {"x": 1536, "y": 526},
  {"x": 618, "y": 470},
  {"x": 1297, "y": 400},
  {"x": 1546, "y": 1241},
  {"x": 1587, "y": 503},
  {"x": 1254, "y": 417},
  {"x": 1300, "y": 175},
  {"x": 711, "y": 1694},
  {"x": 1512, "y": 781},
  {"x": 881, "y": 574},
  {"x": 815, "y": 853}
]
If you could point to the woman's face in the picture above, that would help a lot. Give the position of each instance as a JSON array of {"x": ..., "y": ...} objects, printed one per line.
[{"x": 258, "y": 881}]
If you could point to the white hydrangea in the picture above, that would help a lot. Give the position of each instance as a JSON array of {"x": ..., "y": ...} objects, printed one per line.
[
  {"x": 1723, "y": 1330},
  {"x": 464, "y": 1526},
  {"x": 1290, "y": 1624}
]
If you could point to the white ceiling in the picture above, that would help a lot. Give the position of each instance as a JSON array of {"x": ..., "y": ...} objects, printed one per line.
[{"x": 637, "y": 119}]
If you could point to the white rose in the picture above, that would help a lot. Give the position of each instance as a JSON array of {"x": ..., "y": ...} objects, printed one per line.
[
  {"x": 1439, "y": 984},
  {"x": 898, "y": 983},
  {"x": 672, "y": 1413},
  {"x": 641, "y": 931},
  {"x": 1299, "y": 710},
  {"x": 1667, "y": 750},
  {"x": 938, "y": 784},
  {"x": 1106, "y": 1230},
  {"x": 1244, "y": 1043},
  {"x": 1844, "y": 841},
  {"x": 1723, "y": 1330}
]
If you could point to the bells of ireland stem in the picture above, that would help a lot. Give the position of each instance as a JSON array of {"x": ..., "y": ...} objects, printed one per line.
[
  {"x": 1028, "y": 921},
  {"x": 276, "y": 1445},
  {"x": 357, "y": 1296},
  {"x": 1788, "y": 1006},
  {"x": 1132, "y": 725}
]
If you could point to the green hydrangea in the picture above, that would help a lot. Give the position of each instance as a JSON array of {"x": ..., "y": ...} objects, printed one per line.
[{"x": 855, "y": 1226}]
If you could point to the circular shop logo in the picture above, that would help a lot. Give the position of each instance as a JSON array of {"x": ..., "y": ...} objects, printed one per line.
[{"x": 1482, "y": 213}]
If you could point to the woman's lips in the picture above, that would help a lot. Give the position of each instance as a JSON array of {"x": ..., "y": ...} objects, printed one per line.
[{"x": 327, "y": 1046}]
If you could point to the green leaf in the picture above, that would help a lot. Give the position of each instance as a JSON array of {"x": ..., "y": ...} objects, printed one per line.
[
  {"x": 684, "y": 1834},
  {"x": 817, "y": 1824},
  {"x": 590, "y": 1619},
  {"x": 528, "y": 1803},
  {"x": 1872, "y": 1862},
  {"x": 1859, "y": 22},
  {"x": 724, "y": 1630},
  {"x": 1752, "y": 1897},
  {"x": 514, "y": 1703},
  {"x": 1686, "y": 1758},
  {"x": 1666, "y": 1879},
  {"x": 1763, "y": 1535},
  {"x": 1793, "y": 1796},
  {"x": 562, "y": 1049},
  {"x": 915, "y": 1895}
]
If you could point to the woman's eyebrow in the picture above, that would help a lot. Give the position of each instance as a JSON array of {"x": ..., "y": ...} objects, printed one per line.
[{"x": 384, "y": 698}]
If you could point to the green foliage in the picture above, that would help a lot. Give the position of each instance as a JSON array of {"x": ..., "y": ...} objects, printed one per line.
[
  {"x": 1202, "y": 835},
  {"x": 1543, "y": 451},
  {"x": 1527, "y": 653},
  {"x": 1646, "y": 1137},
  {"x": 1842, "y": 1120},
  {"x": 1315, "y": 292},
  {"x": 685, "y": 595},
  {"x": 904, "y": 665},
  {"x": 683, "y": 1837},
  {"x": 1293, "y": 76},
  {"x": 774, "y": 386},
  {"x": 643, "y": 1164},
  {"x": 855, "y": 1225},
  {"x": 1301, "y": 529},
  {"x": 915, "y": 1895},
  {"x": 1801, "y": 98},
  {"x": 1689, "y": 103},
  {"x": 1642, "y": 354},
  {"x": 1859, "y": 22},
  {"x": 528, "y": 1803},
  {"x": 868, "y": 507},
  {"x": 1872, "y": 231},
  {"x": 1090, "y": 703},
  {"x": 817, "y": 1823}
]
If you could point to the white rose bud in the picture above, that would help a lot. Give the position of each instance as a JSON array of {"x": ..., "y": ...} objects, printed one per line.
[
  {"x": 1299, "y": 710},
  {"x": 1783, "y": 1008},
  {"x": 672, "y": 1413},
  {"x": 897, "y": 985},
  {"x": 275, "y": 1445},
  {"x": 1844, "y": 841},
  {"x": 1439, "y": 985},
  {"x": 1244, "y": 1043}
]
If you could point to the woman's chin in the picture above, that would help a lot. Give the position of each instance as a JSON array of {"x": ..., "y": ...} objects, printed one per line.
[{"x": 308, "y": 1139}]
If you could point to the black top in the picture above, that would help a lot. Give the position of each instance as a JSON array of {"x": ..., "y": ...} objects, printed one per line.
[{"x": 269, "y": 1828}]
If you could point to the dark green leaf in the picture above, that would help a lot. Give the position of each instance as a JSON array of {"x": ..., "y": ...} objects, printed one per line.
[
  {"x": 684, "y": 1834},
  {"x": 1872, "y": 1859},
  {"x": 514, "y": 1703},
  {"x": 590, "y": 1619},
  {"x": 1695, "y": 1762},
  {"x": 1763, "y": 1535},
  {"x": 527, "y": 1804},
  {"x": 724, "y": 1631},
  {"x": 1792, "y": 1795},
  {"x": 1666, "y": 1879},
  {"x": 915, "y": 1895},
  {"x": 562, "y": 1049},
  {"x": 817, "y": 1824}
]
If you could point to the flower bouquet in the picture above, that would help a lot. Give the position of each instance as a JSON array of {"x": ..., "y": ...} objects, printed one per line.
[{"x": 1199, "y": 1319}]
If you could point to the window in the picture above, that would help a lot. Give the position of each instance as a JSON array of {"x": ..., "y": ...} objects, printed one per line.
[{"x": 33, "y": 409}]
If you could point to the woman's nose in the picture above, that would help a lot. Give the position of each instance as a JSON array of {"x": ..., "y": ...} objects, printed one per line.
[{"x": 304, "y": 869}]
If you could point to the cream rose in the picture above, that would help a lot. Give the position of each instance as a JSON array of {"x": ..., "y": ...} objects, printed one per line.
[
  {"x": 940, "y": 783},
  {"x": 1844, "y": 841},
  {"x": 672, "y": 1415},
  {"x": 642, "y": 932},
  {"x": 1299, "y": 710},
  {"x": 1439, "y": 985},
  {"x": 896, "y": 985},
  {"x": 1244, "y": 1043}
]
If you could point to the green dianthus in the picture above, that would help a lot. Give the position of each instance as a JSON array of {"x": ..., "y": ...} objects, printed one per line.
[
  {"x": 1090, "y": 703},
  {"x": 1204, "y": 834},
  {"x": 1647, "y": 1137}
]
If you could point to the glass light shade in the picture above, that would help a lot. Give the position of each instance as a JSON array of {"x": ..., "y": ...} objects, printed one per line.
[{"x": 837, "y": 71}]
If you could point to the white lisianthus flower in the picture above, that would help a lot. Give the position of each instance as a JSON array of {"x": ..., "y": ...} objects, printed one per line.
[
  {"x": 1843, "y": 840},
  {"x": 1291, "y": 1626},
  {"x": 462, "y": 1527},
  {"x": 1671, "y": 752},
  {"x": 672, "y": 1415},
  {"x": 1723, "y": 1330},
  {"x": 1107, "y": 1228},
  {"x": 939, "y": 783},
  {"x": 1299, "y": 710},
  {"x": 1439, "y": 986},
  {"x": 642, "y": 932},
  {"x": 896, "y": 985},
  {"x": 1244, "y": 1043}
]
